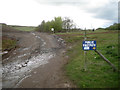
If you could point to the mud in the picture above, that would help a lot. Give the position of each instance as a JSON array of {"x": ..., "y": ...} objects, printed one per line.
[{"x": 37, "y": 63}]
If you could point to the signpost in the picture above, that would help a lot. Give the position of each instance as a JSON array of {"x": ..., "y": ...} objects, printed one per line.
[
  {"x": 89, "y": 45},
  {"x": 85, "y": 53}
]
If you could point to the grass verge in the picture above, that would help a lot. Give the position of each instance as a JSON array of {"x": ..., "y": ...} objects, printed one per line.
[
  {"x": 99, "y": 74},
  {"x": 8, "y": 43}
]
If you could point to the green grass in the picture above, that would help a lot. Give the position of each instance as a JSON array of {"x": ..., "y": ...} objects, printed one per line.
[
  {"x": 99, "y": 74},
  {"x": 24, "y": 28},
  {"x": 82, "y": 32},
  {"x": 8, "y": 44}
]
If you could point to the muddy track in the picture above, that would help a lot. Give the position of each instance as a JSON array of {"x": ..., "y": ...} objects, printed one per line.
[{"x": 37, "y": 63}]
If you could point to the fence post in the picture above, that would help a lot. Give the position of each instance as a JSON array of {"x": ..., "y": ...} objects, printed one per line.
[
  {"x": 105, "y": 59},
  {"x": 85, "y": 53}
]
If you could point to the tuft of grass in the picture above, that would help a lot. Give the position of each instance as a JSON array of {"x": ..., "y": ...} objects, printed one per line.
[
  {"x": 8, "y": 44},
  {"x": 99, "y": 74}
]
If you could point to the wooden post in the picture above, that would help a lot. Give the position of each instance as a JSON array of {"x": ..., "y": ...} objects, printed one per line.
[
  {"x": 85, "y": 60},
  {"x": 85, "y": 35},
  {"x": 85, "y": 53},
  {"x": 105, "y": 59}
]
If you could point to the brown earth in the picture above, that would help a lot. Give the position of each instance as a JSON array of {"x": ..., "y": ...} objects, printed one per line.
[
  {"x": 51, "y": 75},
  {"x": 37, "y": 63}
]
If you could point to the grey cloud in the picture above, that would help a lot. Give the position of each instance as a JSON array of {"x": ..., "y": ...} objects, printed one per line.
[
  {"x": 61, "y": 2},
  {"x": 119, "y": 11},
  {"x": 107, "y": 11}
]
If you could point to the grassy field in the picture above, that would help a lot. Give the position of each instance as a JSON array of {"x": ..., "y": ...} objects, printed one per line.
[
  {"x": 23, "y": 28},
  {"x": 99, "y": 74}
]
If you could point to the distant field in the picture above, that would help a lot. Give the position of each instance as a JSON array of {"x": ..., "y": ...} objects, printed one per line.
[
  {"x": 23, "y": 28},
  {"x": 88, "y": 32},
  {"x": 99, "y": 74}
]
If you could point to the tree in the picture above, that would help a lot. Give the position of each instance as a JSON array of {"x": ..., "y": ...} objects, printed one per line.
[
  {"x": 115, "y": 26},
  {"x": 41, "y": 27},
  {"x": 48, "y": 26},
  {"x": 67, "y": 23},
  {"x": 57, "y": 24}
]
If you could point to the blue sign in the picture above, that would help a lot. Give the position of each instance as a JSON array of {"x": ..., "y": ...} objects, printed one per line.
[{"x": 89, "y": 45}]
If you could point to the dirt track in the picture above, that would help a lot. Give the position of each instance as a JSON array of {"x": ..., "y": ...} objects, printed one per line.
[{"x": 37, "y": 63}]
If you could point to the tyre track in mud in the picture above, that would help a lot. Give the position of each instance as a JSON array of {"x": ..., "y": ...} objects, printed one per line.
[{"x": 38, "y": 62}]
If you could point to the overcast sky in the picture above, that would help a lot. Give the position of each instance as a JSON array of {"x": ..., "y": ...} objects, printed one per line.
[{"x": 84, "y": 13}]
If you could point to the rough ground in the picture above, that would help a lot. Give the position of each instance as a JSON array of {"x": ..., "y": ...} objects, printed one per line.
[{"x": 37, "y": 62}]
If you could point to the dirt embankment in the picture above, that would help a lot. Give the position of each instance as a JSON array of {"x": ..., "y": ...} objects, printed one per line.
[{"x": 37, "y": 63}]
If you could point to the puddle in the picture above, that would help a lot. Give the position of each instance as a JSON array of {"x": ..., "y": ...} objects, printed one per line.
[
  {"x": 22, "y": 55},
  {"x": 44, "y": 43},
  {"x": 3, "y": 52},
  {"x": 33, "y": 33},
  {"x": 26, "y": 49}
]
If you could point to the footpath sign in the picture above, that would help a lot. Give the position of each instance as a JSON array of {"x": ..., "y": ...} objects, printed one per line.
[{"x": 89, "y": 45}]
